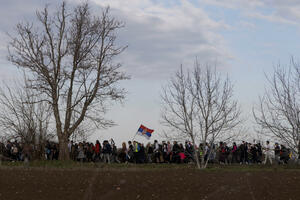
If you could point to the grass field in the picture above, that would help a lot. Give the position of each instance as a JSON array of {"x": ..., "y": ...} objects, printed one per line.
[{"x": 91, "y": 165}]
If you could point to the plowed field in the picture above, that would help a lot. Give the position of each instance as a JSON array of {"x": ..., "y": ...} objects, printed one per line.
[{"x": 138, "y": 183}]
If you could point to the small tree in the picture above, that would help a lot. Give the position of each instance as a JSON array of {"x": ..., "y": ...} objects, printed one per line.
[
  {"x": 200, "y": 106},
  {"x": 278, "y": 111},
  {"x": 217, "y": 112},
  {"x": 26, "y": 118},
  {"x": 70, "y": 60},
  {"x": 179, "y": 109}
]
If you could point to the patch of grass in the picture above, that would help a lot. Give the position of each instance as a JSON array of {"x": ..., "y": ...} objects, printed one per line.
[
  {"x": 116, "y": 166},
  {"x": 46, "y": 164},
  {"x": 72, "y": 164}
]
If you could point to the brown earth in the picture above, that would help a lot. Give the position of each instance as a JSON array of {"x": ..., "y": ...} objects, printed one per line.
[{"x": 137, "y": 183}]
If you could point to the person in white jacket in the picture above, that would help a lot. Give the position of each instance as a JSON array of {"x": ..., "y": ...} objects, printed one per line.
[{"x": 268, "y": 153}]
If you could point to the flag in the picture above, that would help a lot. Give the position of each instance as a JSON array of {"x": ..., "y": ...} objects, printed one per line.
[{"x": 144, "y": 131}]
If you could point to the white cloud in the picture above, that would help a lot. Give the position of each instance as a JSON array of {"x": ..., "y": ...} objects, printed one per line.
[
  {"x": 279, "y": 11},
  {"x": 11, "y": 13},
  {"x": 234, "y": 4},
  {"x": 272, "y": 18},
  {"x": 247, "y": 25},
  {"x": 161, "y": 37}
]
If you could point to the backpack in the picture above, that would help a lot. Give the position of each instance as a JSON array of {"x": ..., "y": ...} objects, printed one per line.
[
  {"x": 108, "y": 148},
  {"x": 15, "y": 150}
]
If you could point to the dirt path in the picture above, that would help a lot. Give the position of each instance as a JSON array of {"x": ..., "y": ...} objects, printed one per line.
[{"x": 19, "y": 183}]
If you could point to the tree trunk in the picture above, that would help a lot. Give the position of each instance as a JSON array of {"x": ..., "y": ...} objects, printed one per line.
[
  {"x": 196, "y": 155},
  {"x": 63, "y": 149},
  {"x": 203, "y": 159},
  {"x": 208, "y": 156},
  {"x": 197, "y": 159},
  {"x": 298, "y": 157},
  {"x": 203, "y": 154}
]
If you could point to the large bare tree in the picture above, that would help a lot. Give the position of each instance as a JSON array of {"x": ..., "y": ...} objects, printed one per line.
[
  {"x": 278, "y": 111},
  {"x": 70, "y": 55},
  {"x": 200, "y": 106}
]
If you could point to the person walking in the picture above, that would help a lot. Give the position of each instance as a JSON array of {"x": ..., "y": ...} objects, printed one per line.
[
  {"x": 277, "y": 153},
  {"x": 234, "y": 152},
  {"x": 106, "y": 151},
  {"x": 156, "y": 152},
  {"x": 268, "y": 153}
]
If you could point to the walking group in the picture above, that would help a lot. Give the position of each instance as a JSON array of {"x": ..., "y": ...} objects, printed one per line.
[
  {"x": 164, "y": 152},
  {"x": 175, "y": 152}
]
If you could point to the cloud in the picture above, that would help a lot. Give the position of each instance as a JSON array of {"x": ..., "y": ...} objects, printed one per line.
[
  {"x": 161, "y": 37},
  {"x": 247, "y": 25},
  {"x": 164, "y": 34},
  {"x": 234, "y": 4},
  {"x": 286, "y": 12},
  {"x": 272, "y": 18},
  {"x": 12, "y": 13}
]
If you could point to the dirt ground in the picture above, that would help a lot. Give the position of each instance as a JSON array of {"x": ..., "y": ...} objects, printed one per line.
[{"x": 136, "y": 183}]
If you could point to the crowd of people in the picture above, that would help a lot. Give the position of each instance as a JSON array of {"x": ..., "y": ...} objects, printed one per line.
[
  {"x": 16, "y": 151},
  {"x": 164, "y": 152}
]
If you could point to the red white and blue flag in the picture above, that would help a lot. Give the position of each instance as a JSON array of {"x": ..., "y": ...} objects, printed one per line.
[{"x": 144, "y": 131}]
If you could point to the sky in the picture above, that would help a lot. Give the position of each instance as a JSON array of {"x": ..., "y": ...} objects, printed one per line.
[{"x": 246, "y": 39}]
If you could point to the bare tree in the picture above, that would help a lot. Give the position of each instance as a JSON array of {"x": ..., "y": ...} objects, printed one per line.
[
  {"x": 24, "y": 119},
  {"x": 70, "y": 59},
  {"x": 200, "y": 106},
  {"x": 217, "y": 112},
  {"x": 179, "y": 109},
  {"x": 278, "y": 111}
]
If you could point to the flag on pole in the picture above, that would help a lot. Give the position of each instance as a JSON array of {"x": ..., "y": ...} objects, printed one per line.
[{"x": 144, "y": 131}]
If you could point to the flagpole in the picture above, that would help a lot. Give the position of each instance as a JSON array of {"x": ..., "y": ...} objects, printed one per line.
[{"x": 134, "y": 136}]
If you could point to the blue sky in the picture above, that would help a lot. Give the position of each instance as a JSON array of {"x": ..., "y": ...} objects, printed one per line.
[{"x": 245, "y": 38}]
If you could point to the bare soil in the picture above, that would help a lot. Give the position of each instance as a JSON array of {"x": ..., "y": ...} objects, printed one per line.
[{"x": 137, "y": 183}]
